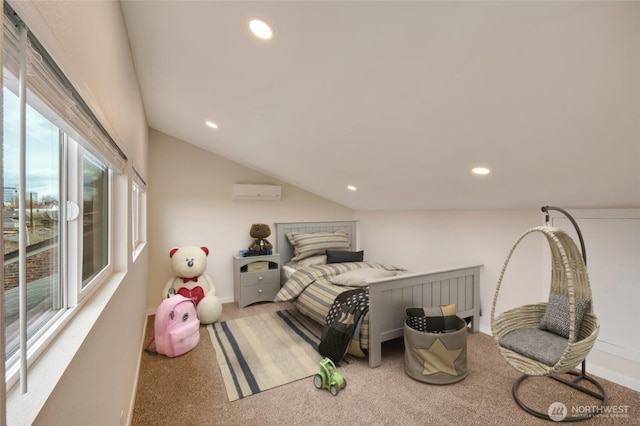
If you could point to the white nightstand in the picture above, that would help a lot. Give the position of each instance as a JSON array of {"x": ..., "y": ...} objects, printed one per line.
[{"x": 255, "y": 278}]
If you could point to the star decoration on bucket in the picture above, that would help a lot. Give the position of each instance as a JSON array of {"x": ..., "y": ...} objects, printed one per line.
[{"x": 438, "y": 359}]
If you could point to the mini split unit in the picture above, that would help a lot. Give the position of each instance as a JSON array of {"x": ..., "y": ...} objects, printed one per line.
[{"x": 243, "y": 191}]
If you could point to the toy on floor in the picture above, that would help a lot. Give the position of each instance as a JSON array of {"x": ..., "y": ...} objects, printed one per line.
[
  {"x": 329, "y": 378},
  {"x": 189, "y": 264}
]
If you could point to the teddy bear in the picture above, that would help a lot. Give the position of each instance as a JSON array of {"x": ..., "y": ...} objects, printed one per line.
[
  {"x": 260, "y": 231},
  {"x": 189, "y": 264}
]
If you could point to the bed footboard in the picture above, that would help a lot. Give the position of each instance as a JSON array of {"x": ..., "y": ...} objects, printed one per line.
[{"x": 388, "y": 297}]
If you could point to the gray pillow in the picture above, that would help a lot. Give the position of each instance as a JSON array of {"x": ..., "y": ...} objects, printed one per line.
[
  {"x": 344, "y": 256},
  {"x": 556, "y": 316}
]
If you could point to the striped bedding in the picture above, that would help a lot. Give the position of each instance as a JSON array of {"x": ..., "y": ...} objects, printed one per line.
[
  {"x": 316, "y": 301},
  {"x": 312, "y": 292}
]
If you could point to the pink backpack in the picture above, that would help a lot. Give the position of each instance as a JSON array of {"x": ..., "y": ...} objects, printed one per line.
[{"x": 176, "y": 329}]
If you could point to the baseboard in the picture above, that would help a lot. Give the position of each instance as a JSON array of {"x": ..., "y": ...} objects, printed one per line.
[
  {"x": 485, "y": 330},
  {"x": 224, "y": 300},
  {"x": 617, "y": 369},
  {"x": 132, "y": 403},
  {"x": 614, "y": 377}
]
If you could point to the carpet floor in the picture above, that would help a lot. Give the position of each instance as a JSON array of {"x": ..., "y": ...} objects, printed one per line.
[{"x": 189, "y": 390}]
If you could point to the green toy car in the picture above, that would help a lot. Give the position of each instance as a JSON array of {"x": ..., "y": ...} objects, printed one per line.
[{"x": 329, "y": 378}]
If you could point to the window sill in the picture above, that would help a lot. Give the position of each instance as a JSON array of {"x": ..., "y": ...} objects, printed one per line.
[
  {"x": 48, "y": 369},
  {"x": 138, "y": 250}
]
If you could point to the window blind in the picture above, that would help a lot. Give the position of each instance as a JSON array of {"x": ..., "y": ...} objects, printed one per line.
[
  {"x": 137, "y": 179},
  {"x": 56, "y": 94}
]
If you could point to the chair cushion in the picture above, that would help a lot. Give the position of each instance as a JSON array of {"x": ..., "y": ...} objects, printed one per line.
[
  {"x": 540, "y": 345},
  {"x": 556, "y": 316}
]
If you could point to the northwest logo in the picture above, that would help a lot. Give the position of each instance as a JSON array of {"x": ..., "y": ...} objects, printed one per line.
[{"x": 557, "y": 411}]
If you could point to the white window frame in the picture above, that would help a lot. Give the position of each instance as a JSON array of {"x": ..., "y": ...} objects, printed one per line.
[
  {"x": 138, "y": 214},
  {"x": 71, "y": 246},
  {"x": 76, "y": 290}
]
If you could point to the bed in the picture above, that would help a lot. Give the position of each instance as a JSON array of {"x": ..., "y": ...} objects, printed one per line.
[{"x": 388, "y": 296}]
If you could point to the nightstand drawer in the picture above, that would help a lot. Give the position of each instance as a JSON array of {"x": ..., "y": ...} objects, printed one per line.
[
  {"x": 265, "y": 291},
  {"x": 260, "y": 277}
]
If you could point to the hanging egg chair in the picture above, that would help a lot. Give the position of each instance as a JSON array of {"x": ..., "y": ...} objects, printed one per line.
[{"x": 554, "y": 337}]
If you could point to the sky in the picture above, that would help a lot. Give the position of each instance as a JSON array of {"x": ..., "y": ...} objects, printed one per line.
[{"x": 42, "y": 155}]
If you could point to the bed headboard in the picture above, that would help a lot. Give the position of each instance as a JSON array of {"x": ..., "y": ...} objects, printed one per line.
[{"x": 283, "y": 247}]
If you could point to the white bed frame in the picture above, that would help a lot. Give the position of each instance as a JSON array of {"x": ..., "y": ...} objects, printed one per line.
[{"x": 388, "y": 297}]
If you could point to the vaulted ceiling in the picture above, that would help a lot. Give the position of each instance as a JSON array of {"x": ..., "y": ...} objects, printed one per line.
[{"x": 403, "y": 99}]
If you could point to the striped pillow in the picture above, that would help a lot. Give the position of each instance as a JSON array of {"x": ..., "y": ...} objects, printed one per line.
[{"x": 307, "y": 245}]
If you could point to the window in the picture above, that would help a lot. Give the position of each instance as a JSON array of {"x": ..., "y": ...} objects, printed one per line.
[
  {"x": 138, "y": 213},
  {"x": 57, "y": 173},
  {"x": 41, "y": 228},
  {"x": 95, "y": 218},
  {"x": 135, "y": 218}
]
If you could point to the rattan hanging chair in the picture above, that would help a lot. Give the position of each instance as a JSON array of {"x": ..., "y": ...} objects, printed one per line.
[{"x": 569, "y": 278}]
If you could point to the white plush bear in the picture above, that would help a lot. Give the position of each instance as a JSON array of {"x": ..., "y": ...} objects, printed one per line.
[{"x": 189, "y": 264}]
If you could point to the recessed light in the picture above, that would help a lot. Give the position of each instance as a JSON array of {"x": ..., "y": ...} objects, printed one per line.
[
  {"x": 352, "y": 188},
  {"x": 260, "y": 29},
  {"x": 481, "y": 170},
  {"x": 211, "y": 124}
]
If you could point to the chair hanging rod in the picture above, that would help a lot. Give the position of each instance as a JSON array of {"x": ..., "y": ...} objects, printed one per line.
[{"x": 546, "y": 209}]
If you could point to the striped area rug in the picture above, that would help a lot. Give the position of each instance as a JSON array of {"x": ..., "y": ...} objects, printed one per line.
[{"x": 265, "y": 351}]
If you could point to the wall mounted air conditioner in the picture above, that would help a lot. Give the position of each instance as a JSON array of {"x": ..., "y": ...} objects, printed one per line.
[{"x": 243, "y": 191}]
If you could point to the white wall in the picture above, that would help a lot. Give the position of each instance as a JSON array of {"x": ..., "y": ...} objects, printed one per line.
[
  {"x": 427, "y": 240},
  {"x": 612, "y": 244},
  {"x": 190, "y": 203},
  {"x": 88, "y": 375}
]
